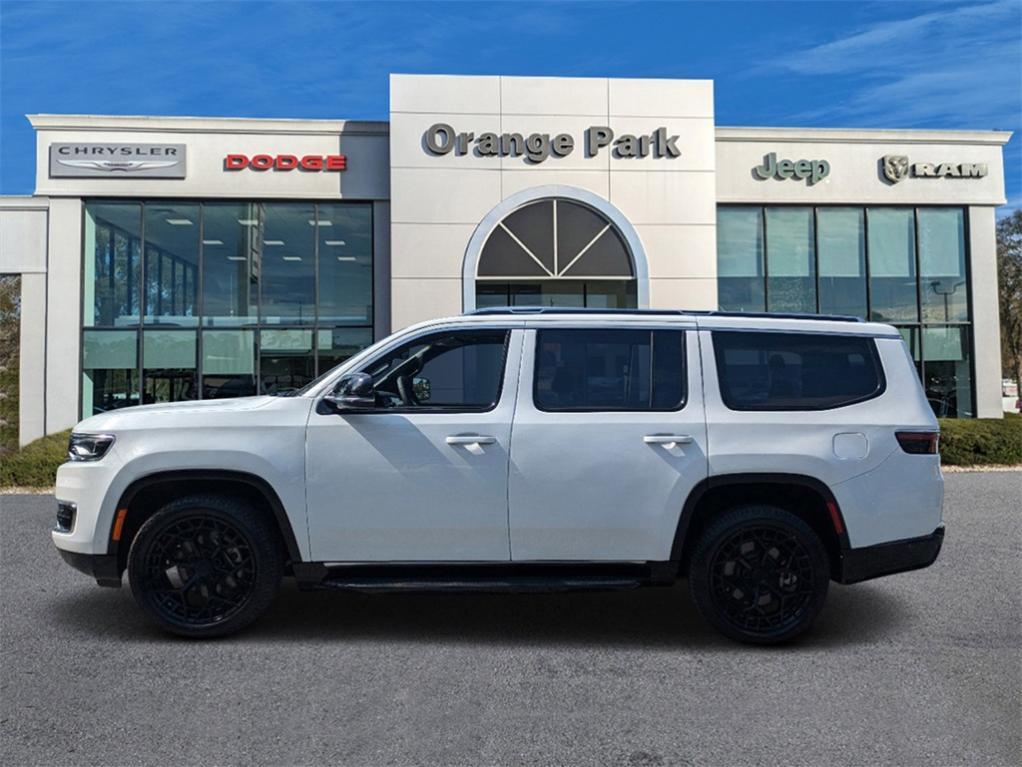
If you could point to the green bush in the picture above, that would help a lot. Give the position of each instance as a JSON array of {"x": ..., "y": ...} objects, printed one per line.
[
  {"x": 981, "y": 441},
  {"x": 35, "y": 465}
]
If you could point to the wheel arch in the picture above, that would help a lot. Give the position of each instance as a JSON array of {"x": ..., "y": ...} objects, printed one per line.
[
  {"x": 148, "y": 493},
  {"x": 802, "y": 494}
]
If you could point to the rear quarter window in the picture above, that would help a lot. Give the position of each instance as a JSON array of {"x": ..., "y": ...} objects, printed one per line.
[{"x": 795, "y": 371}]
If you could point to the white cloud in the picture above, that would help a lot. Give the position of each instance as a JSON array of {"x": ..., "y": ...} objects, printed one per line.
[{"x": 959, "y": 67}]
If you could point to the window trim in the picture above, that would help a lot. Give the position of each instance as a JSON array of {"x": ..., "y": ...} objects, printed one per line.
[
  {"x": 730, "y": 405},
  {"x": 682, "y": 331},
  {"x": 434, "y": 409}
]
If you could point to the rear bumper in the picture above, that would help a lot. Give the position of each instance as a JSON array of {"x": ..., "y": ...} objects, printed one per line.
[
  {"x": 889, "y": 558},
  {"x": 102, "y": 567}
]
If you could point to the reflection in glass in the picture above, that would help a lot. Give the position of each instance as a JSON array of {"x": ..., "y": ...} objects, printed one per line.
[
  {"x": 892, "y": 265},
  {"x": 947, "y": 367},
  {"x": 842, "y": 255},
  {"x": 943, "y": 291},
  {"x": 109, "y": 370},
  {"x": 740, "y": 259},
  {"x": 568, "y": 293},
  {"x": 111, "y": 264},
  {"x": 228, "y": 363},
  {"x": 168, "y": 361},
  {"x": 288, "y": 267},
  {"x": 597, "y": 294},
  {"x": 345, "y": 264},
  {"x": 171, "y": 263},
  {"x": 791, "y": 280},
  {"x": 285, "y": 360},
  {"x": 230, "y": 263},
  {"x": 339, "y": 344}
]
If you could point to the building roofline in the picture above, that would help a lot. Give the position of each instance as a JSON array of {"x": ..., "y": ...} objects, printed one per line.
[
  {"x": 288, "y": 126},
  {"x": 24, "y": 202},
  {"x": 256, "y": 125},
  {"x": 863, "y": 135}
]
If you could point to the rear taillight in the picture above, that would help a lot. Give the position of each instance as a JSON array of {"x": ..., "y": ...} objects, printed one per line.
[{"x": 918, "y": 442}]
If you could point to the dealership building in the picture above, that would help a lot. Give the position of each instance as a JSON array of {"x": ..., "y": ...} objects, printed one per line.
[{"x": 175, "y": 258}]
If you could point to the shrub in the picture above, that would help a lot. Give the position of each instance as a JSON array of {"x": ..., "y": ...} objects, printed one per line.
[
  {"x": 981, "y": 441},
  {"x": 35, "y": 465}
]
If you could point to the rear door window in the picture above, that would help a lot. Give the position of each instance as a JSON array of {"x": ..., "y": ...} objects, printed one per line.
[
  {"x": 602, "y": 370},
  {"x": 795, "y": 371}
]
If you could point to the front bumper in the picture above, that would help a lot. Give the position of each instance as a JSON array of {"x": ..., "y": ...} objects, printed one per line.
[
  {"x": 888, "y": 558},
  {"x": 102, "y": 567}
]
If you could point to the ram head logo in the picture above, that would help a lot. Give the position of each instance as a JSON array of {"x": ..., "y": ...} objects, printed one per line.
[{"x": 895, "y": 167}]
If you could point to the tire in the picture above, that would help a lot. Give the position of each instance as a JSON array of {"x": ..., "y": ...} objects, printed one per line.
[
  {"x": 205, "y": 566},
  {"x": 759, "y": 574}
]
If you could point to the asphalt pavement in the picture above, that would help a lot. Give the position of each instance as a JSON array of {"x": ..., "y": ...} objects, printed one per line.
[{"x": 922, "y": 668}]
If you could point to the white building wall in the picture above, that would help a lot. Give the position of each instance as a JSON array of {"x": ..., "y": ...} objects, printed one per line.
[
  {"x": 64, "y": 319},
  {"x": 986, "y": 325},
  {"x": 438, "y": 201},
  {"x": 23, "y": 251}
]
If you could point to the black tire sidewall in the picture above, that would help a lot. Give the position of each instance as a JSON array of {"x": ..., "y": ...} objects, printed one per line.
[
  {"x": 261, "y": 537},
  {"x": 726, "y": 526}
]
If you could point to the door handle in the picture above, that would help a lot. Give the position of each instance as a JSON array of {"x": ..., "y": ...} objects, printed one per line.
[
  {"x": 470, "y": 439},
  {"x": 667, "y": 439}
]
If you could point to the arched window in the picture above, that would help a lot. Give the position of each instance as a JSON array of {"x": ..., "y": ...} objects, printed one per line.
[{"x": 555, "y": 252}]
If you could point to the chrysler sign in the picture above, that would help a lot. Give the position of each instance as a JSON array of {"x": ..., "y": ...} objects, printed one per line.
[
  {"x": 117, "y": 160},
  {"x": 441, "y": 139}
]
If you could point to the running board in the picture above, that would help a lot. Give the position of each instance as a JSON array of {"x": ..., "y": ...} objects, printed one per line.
[
  {"x": 515, "y": 585},
  {"x": 524, "y": 577}
]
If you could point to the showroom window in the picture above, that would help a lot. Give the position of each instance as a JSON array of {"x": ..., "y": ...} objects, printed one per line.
[
  {"x": 200, "y": 300},
  {"x": 555, "y": 252},
  {"x": 900, "y": 265}
]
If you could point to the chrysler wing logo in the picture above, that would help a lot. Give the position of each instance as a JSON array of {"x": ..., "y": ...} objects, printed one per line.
[
  {"x": 895, "y": 167},
  {"x": 123, "y": 166}
]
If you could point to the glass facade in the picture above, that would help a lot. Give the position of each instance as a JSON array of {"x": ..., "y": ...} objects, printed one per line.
[
  {"x": 555, "y": 252},
  {"x": 900, "y": 265},
  {"x": 202, "y": 300}
]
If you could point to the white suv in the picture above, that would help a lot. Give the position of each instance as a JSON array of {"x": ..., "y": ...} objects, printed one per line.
[{"x": 518, "y": 450}]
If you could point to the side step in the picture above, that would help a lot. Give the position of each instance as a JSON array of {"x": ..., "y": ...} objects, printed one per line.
[
  {"x": 486, "y": 578},
  {"x": 513, "y": 585}
]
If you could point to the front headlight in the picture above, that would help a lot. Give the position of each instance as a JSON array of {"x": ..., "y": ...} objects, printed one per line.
[{"x": 88, "y": 447}]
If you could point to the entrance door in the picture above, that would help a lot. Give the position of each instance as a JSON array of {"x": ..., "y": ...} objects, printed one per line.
[
  {"x": 422, "y": 476},
  {"x": 609, "y": 440}
]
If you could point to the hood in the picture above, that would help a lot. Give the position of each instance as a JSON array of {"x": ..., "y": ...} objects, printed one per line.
[{"x": 133, "y": 417}]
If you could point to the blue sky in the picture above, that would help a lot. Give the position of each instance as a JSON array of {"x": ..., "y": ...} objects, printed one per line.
[{"x": 856, "y": 64}]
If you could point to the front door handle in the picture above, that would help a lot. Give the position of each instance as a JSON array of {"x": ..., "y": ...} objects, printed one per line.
[
  {"x": 667, "y": 439},
  {"x": 470, "y": 439}
]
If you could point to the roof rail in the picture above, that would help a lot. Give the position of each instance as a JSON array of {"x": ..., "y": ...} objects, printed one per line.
[{"x": 504, "y": 310}]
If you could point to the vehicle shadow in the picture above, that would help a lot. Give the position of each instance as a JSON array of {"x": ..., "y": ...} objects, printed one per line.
[{"x": 645, "y": 618}]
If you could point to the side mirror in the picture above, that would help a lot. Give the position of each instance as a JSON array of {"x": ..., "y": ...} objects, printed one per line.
[
  {"x": 422, "y": 389},
  {"x": 353, "y": 392}
]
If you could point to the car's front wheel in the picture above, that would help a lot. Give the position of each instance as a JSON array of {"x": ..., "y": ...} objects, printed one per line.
[
  {"x": 759, "y": 574},
  {"x": 205, "y": 566}
]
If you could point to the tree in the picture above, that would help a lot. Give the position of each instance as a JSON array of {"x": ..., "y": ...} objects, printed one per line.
[
  {"x": 1009, "y": 278},
  {"x": 10, "y": 327}
]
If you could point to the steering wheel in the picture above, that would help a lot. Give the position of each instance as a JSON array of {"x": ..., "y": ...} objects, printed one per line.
[{"x": 406, "y": 390}]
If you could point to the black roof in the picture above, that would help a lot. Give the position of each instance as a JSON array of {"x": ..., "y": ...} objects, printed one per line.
[{"x": 505, "y": 310}]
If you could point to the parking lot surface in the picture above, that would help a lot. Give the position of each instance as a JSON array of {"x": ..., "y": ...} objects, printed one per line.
[{"x": 917, "y": 669}]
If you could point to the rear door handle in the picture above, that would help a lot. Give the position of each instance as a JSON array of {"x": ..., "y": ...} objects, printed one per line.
[
  {"x": 667, "y": 439},
  {"x": 470, "y": 439}
]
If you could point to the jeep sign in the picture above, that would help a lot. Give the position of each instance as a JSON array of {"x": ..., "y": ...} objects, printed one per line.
[{"x": 810, "y": 170}]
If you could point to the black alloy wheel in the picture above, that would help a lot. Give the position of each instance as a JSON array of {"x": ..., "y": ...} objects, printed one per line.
[
  {"x": 760, "y": 574},
  {"x": 205, "y": 566}
]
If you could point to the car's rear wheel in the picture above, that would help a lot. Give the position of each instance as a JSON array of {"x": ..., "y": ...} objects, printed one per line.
[
  {"x": 759, "y": 574},
  {"x": 205, "y": 566}
]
